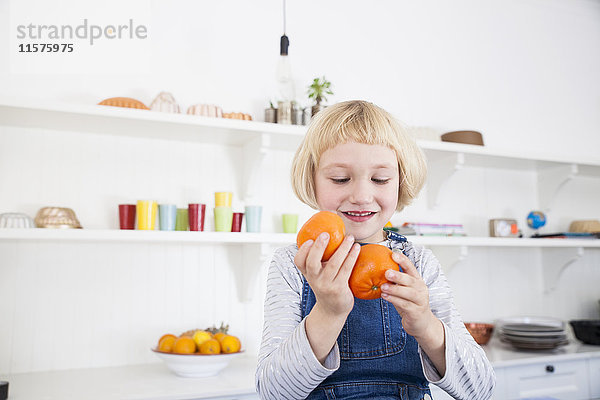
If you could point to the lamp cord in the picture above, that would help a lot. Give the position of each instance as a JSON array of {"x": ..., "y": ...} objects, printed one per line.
[{"x": 284, "y": 17}]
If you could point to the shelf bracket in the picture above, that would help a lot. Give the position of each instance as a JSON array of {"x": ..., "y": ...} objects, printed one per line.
[
  {"x": 254, "y": 153},
  {"x": 450, "y": 256},
  {"x": 441, "y": 168},
  {"x": 248, "y": 271},
  {"x": 551, "y": 180},
  {"x": 555, "y": 263}
]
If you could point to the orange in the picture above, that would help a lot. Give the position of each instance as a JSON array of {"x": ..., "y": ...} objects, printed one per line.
[
  {"x": 211, "y": 346},
  {"x": 167, "y": 335},
  {"x": 323, "y": 221},
  {"x": 369, "y": 271},
  {"x": 230, "y": 344},
  {"x": 165, "y": 343},
  {"x": 184, "y": 345},
  {"x": 219, "y": 336}
]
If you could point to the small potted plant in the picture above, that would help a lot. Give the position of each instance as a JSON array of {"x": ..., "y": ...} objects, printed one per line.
[{"x": 318, "y": 91}]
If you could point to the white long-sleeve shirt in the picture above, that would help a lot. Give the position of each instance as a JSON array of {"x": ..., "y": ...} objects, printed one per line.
[{"x": 288, "y": 369}]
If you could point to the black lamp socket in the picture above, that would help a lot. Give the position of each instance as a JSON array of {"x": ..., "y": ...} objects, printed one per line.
[{"x": 3, "y": 390}]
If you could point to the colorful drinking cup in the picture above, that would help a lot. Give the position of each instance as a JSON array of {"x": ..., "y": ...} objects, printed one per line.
[
  {"x": 236, "y": 222},
  {"x": 196, "y": 214},
  {"x": 127, "y": 216},
  {"x": 223, "y": 199},
  {"x": 290, "y": 223},
  {"x": 167, "y": 214},
  {"x": 223, "y": 218},
  {"x": 182, "y": 220},
  {"x": 253, "y": 218},
  {"x": 146, "y": 214}
]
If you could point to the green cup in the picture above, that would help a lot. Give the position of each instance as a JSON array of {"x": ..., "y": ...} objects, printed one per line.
[
  {"x": 181, "y": 220},
  {"x": 290, "y": 223},
  {"x": 223, "y": 219}
]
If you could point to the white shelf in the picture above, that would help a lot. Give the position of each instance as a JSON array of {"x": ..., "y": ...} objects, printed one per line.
[
  {"x": 509, "y": 159},
  {"x": 553, "y": 171},
  {"x": 557, "y": 254},
  {"x": 501, "y": 242},
  {"x": 144, "y": 123},
  {"x": 256, "y": 247},
  {"x": 116, "y": 235}
]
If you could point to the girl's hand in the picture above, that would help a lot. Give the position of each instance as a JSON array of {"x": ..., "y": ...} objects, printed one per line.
[
  {"x": 410, "y": 296},
  {"x": 329, "y": 280}
]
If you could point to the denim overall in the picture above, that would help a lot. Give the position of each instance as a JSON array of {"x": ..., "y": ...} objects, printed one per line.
[{"x": 379, "y": 360}]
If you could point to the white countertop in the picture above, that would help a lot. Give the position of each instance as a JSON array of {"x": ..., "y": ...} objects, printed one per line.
[
  {"x": 503, "y": 355},
  {"x": 156, "y": 382},
  {"x": 147, "y": 381}
]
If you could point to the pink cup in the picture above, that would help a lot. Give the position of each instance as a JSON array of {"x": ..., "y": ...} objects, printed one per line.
[
  {"x": 236, "y": 222},
  {"x": 196, "y": 216}
]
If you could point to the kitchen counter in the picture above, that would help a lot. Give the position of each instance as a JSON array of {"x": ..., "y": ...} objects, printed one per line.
[
  {"x": 503, "y": 355},
  {"x": 155, "y": 381},
  {"x": 147, "y": 381}
]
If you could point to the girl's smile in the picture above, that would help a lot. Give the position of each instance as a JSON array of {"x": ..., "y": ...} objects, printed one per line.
[
  {"x": 359, "y": 182},
  {"x": 358, "y": 216}
]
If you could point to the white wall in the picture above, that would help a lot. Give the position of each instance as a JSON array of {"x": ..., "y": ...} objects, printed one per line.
[{"x": 524, "y": 73}]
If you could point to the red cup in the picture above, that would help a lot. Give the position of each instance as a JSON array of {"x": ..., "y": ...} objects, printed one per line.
[
  {"x": 196, "y": 216},
  {"x": 127, "y": 216},
  {"x": 236, "y": 222}
]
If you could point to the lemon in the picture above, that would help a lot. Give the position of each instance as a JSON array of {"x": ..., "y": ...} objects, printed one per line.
[{"x": 201, "y": 337}]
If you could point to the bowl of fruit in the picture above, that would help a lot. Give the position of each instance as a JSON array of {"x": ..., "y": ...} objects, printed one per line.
[{"x": 198, "y": 353}]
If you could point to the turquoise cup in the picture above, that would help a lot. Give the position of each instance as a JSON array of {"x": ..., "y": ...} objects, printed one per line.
[
  {"x": 167, "y": 216},
  {"x": 253, "y": 218}
]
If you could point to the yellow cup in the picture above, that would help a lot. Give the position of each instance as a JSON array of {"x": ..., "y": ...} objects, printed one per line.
[
  {"x": 146, "y": 214},
  {"x": 223, "y": 199}
]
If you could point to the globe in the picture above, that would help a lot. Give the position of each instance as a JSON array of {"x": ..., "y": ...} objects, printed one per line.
[{"x": 536, "y": 219}]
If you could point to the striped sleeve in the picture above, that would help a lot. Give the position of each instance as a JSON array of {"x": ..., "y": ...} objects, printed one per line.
[
  {"x": 287, "y": 367},
  {"x": 469, "y": 374}
]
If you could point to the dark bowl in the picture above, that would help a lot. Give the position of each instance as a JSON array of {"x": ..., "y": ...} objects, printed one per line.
[
  {"x": 481, "y": 332},
  {"x": 587, "y": 330}
]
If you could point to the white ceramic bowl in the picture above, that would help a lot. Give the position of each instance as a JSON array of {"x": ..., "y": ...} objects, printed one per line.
[
  {"x": 196, "y": 365},
  {"x": 16, "y": 220}
]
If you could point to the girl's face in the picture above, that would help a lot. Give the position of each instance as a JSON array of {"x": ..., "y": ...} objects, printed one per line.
[{"x": 360, "y": 183}]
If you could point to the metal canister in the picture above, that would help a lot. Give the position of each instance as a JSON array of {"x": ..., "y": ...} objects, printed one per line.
[
  {"x": 271, "y": 115},
  {"x": 306, "y": 115},
  {"x": 297, "y": 116},
  {"x": 284, "y": 112}
]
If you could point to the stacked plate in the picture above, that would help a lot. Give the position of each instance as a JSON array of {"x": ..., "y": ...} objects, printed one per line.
[{"x": 533, "y": 333}]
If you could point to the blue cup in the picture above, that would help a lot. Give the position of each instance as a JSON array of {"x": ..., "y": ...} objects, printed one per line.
[
  {"x": 167, "y": 215},
  {"x": 253, "y": 218}
]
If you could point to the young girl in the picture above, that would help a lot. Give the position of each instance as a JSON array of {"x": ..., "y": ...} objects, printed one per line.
[{"x": 319, "y": 342}]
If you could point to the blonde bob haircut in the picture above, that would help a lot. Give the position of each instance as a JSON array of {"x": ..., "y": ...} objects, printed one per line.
[{"x": 360, "y": 122}]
